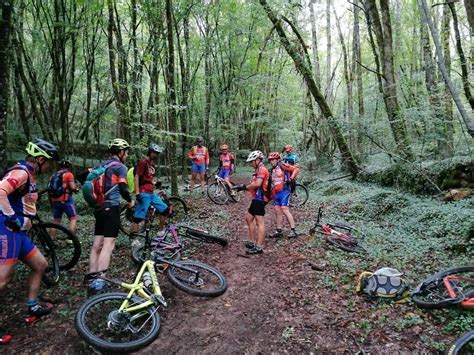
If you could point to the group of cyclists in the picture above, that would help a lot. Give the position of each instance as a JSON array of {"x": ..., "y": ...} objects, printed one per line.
[{"x": 19, "y": 195}]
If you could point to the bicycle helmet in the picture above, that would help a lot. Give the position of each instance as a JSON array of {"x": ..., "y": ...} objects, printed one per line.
[
  {"x": 118, "y": 144},
  {"x": 224, "y": 146},
  {"x": 41, "y": 148},
  {"x": 155, "y": 148},
  {"x": 255, "y": 155},
  {"x": 200, "y": 140},
  {"x": 288, "y": 148},
  {"x": 388, "y": 272},
  {"x": 274, "y": 155},
  {"x": 65, "y": 164}
]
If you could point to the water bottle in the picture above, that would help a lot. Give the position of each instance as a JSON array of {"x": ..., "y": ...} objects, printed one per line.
[{"x": 147, "y": 280}]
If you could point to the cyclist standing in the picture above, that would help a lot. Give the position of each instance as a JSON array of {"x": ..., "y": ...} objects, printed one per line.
[
  {"x": 290, "y": 157},
  {"x": 226, "y": 164},
  {"x": 18, "y": 197},
  {"x": 256, "y": 212},
  {"x": 282, "y": 177},
  {"x": 64, "y": 203},
  {"x": 145, "y": 188},
  {"x": 107, "y": 219},
  {"x": 199, "y": 156}
]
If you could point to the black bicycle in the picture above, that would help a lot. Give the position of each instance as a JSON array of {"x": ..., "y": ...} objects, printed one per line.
[{"x": 463, "y": 345}]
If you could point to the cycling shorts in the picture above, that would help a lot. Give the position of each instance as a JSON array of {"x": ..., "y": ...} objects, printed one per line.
[
  {"x": 107, "y": 221},
  {"x": 198, "y": 168},
  {"x": 14, "y": 245},
  {"x": 282, "y": 198},
  {"x": 147, "y": 200},
  {"x": 224, "y": 173},
  {"x": 257, "y": 208},
  {"x": 64, "y": 207}
]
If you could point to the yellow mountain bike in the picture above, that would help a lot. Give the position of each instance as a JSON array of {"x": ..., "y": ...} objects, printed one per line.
[{"x": 126, "y": 322}]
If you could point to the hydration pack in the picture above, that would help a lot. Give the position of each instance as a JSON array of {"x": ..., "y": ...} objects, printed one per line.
[
  {"x": 93, "y": 189},
  {"x": 55, "y": 185}
]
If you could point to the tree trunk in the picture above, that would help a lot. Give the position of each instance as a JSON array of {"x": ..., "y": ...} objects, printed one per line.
[
  {"x": 171, "y": 99},
  {"x": 5, "y": 50},
  {"x": 208, "y": 77},
  {"x": 314, "y": 38},
  {"x": 447, "y": 99},
  {"x": 357, "y": 71},
  {"x": 328, "y": 52},
  {"x": 442, "y": 66},
  {"x": 347, "y": 157}
]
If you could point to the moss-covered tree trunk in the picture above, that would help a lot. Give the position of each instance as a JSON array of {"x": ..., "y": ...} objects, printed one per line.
[{"x": 5, "y": 30}]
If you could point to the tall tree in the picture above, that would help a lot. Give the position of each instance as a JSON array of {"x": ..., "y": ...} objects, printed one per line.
[{"x": 5, "y": 30}]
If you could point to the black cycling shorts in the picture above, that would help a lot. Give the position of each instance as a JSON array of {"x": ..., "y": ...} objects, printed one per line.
[
  {"x": 107, "y": 222},
  {"x": 257, "y": 208}
]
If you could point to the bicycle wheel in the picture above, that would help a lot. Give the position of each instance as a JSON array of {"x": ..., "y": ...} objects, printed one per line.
[
  {"x": 207, "y": 282},
  {"x": 432, "y": 292},
  {"x": 205, "y": 236},
  {"x": 217, "y": 193},
  {"x": 299, "y": 196},
  {"x": 66, "y": 245},
  {"x": 45, "y": 245},
  {"x": 463, "y": 345},
  {"x": 236, "y": 195},
  {"x": 141, "y": 254},
  {"x": 350, "y": 245},
  {"x": 180, "y": 209},
  {"x": 125, "y": 220},
  {"x": 100, "y": 323}
]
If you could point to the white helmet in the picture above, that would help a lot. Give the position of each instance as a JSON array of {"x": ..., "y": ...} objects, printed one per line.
[{"x": 254, "y": 155}]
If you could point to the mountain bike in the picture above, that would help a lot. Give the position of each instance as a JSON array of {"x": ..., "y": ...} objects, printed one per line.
[
  {"x": 463, "y": 345},
  {"x": 177, "y": 204},
  {"x": 219, "y": 192},
  {"x": 446, "y": 288},
  {"x": 340, "y": 234},
  {"x": 125, "y": 322},
  {"x": 41, "y": 238},
  {"x": 299, "y": 195}
]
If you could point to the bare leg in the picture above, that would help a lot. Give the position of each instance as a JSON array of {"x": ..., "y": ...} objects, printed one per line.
[
  {"x": 106, "y": 254},
  {"x": 6, "y": 273},
  {"x": 95, "y": 252},
  {"x": 279, "y": 217},
  {"x": 203, "y": 181},
  {"x": 193, "y": 176},
  {"x": 286, "y": 211},
  {"x": 260, "y": 220},
  {"x": 73, "y": 225},
  {"x": 38, "y": 265},
  {"x": 250, "y": 219}
]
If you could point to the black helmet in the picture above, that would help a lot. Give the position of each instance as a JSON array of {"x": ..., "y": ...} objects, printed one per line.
[
  {"x": 41, "y": 148},
  {"x": 200, "y": 140},
  {"x": 155, "y": 148},
  {"x": 65, "y": 164}
]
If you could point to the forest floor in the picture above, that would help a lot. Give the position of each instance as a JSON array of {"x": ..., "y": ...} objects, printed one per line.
[{"x": 276, "y": 302}]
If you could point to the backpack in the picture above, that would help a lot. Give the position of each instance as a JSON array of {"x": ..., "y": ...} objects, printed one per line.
[
  {"x": 55, "y": 185},
  {"x": 385, "y": 284},
  {"x": 268, "y": 192},
  {"x": 19, "y": 193},
  {"x": 93, "y": 189}
]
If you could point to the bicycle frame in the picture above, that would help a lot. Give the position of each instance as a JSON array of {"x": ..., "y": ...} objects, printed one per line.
[
  {"x": 137, "y": 287},
  {"x": 450, "y": 285}
]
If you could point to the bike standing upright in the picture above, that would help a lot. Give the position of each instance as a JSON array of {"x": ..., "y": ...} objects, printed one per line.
[{"x": 18, "y": 197}]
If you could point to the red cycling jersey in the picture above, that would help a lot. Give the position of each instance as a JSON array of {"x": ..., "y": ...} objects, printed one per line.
[
  {"x": 227, "y": 161},
  {"x": 278, "y": 175},
  {"x": 199, "y": 155}
]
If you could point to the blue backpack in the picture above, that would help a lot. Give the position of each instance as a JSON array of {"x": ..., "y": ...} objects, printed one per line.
[{"x": 55, "y": 185}]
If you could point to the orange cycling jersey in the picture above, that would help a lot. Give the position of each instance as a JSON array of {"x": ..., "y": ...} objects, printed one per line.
[
  {"x": 280, "y": 174},
  {"x": 68, "y": 177},
  {"x": 199, "y": 155},
  {"x": 226, "y": 161},
  {"x": 261, "y": 173}
]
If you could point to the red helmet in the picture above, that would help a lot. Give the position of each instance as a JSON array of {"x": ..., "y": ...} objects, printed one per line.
[
  {"x": 288, "y": 148},
  {"x": 224, "y": 146},
  {"x": 274, "y": 155}
]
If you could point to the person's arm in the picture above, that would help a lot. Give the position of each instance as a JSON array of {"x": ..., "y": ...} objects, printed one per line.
[
  {"x": 207, "y": 158},
  {"x": 232, "y": 163},
  {"x": 191, "y": 154},
  {"x": 121, "y": 180},
  {"x": 291, "y": 168},
  {"x": 69, "y": 182},
  {"x": 13, "y": 181}
]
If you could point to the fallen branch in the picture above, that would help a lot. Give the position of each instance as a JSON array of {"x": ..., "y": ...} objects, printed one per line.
[{"x": 315, "y": 266}]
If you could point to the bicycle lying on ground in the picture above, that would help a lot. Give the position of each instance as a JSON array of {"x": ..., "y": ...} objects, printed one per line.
[
  {"x": 177, "y": 204},
  {"x": 125, "y": 322},
  {"x": 219, "y": 192},
  {"x": 453, "y": 287},
  {"x": 340, "y": 234},
  {"x": 463, "y": 345},
  {"x": 169, "y": 243}
]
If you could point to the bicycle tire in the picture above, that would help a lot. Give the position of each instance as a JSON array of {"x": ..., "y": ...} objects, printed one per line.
[
  {"x": 87, "y": 334},
  {"x": 141, "y": 254},
  {"x": 460, "y": 343},
  {"x": 217, "y": 193},
  {"x": 186, "y": 281},
  {"x": 125, "y": 223},
  {"x": 299, "y": 196},
  {"x": 45, "y": 245},
  {"x": 180, "y": 209},
  {"x": 204, "y": 236},
  {"x": 349, "y": 246},
  {"x": 432, "y": 294},
  {"x": 67, "y": 245}
]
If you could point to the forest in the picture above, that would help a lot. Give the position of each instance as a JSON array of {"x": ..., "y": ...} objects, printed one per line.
[{"x": 375, "y": 96}]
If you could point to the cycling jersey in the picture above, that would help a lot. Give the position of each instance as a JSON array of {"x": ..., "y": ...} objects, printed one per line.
[
  {"x": 226, "y": 161},
  {"x": 13, "y": 200},
  {"x": 281, "y": 175},
  {"x": 199, "y": 155},
  {"x": 261, "y": 172},
  {"x": 67, "y": 178},
  {"x": 114, "y": 174},
  {"x": 146, "y": 172},
  {"x": 291, "y": 159}
]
